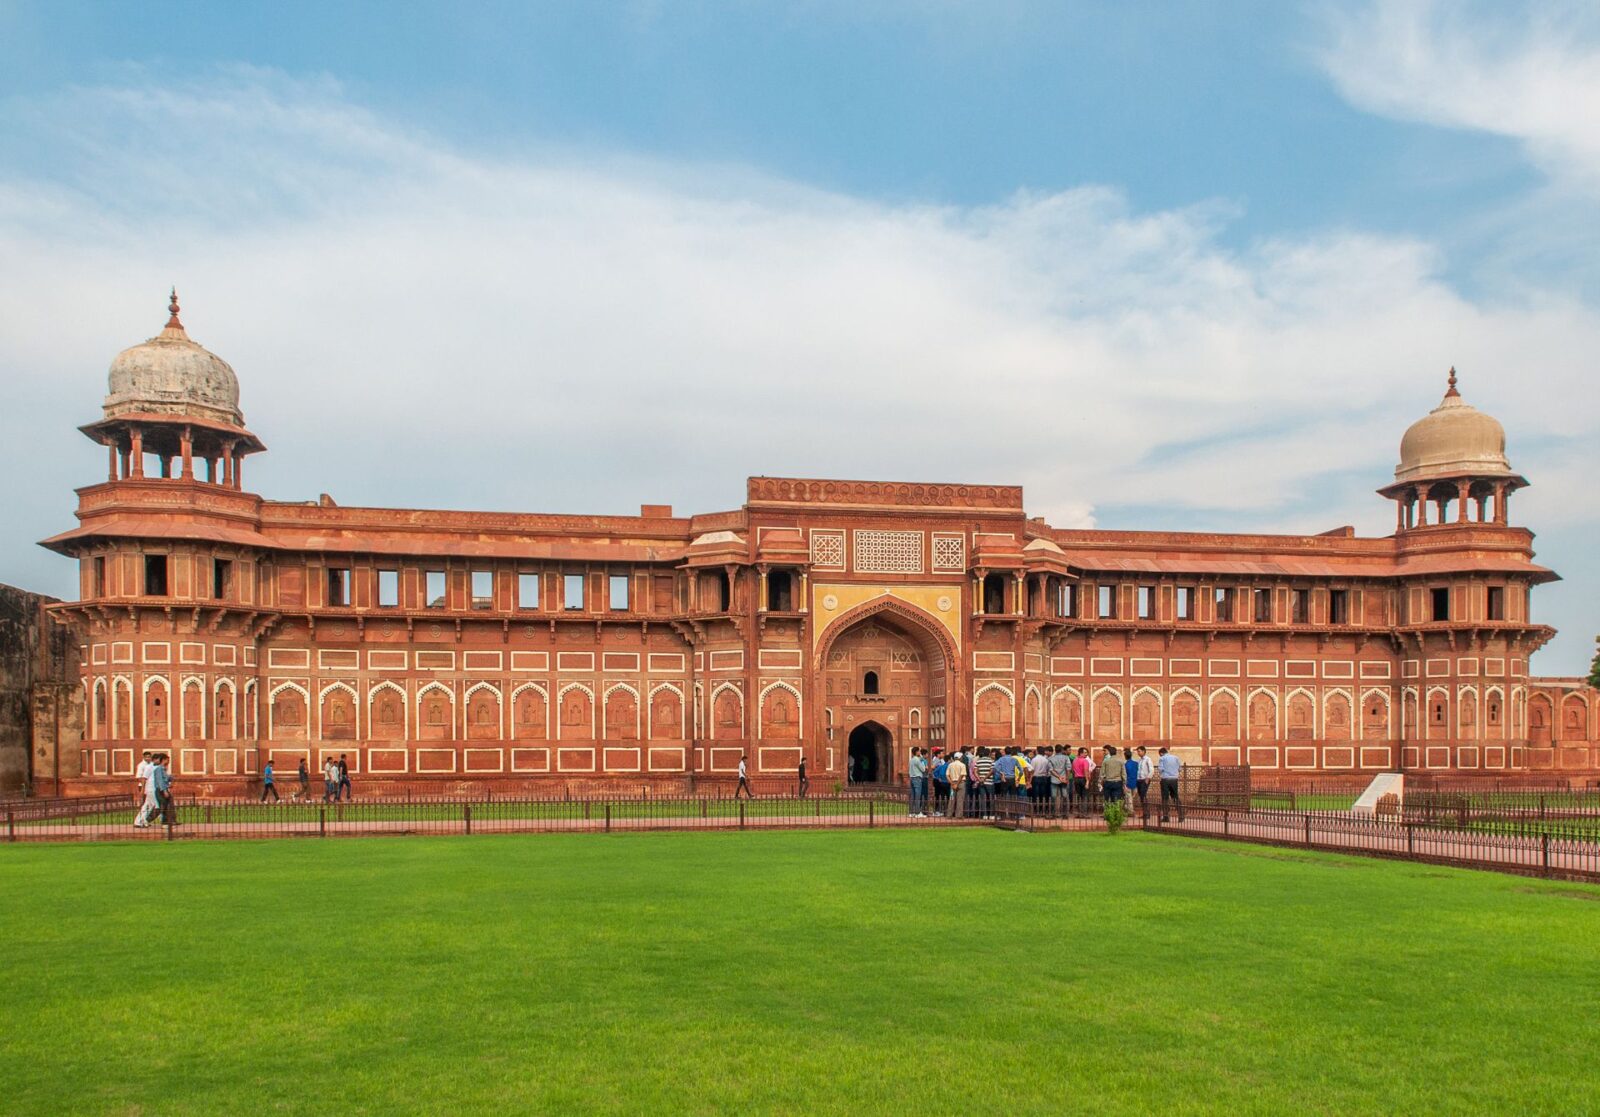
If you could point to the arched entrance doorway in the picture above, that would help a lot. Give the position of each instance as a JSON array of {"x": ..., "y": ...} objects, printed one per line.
[
  {"x": 870, "y": 754},
  {"x": 884, "y": 674}
]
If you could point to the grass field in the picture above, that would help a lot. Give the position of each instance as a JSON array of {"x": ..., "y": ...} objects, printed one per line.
[{"x": 847, "y": 971}]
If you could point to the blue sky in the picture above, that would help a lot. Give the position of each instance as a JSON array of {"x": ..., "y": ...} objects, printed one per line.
[{"x": 1209, "y": 260}]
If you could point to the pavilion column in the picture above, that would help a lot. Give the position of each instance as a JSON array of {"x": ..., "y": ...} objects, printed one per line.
[
  {"x": 187, "y": 444},
  {"x": 1399, "y": 515},
  {"x": 761, "y": 592},
  {"x": 136, "y": 452},
  {"x": 1463, "y": 488},
  {"x": 805, "y": 591},
  {"x": 111, "y": 470},
  {"x": 1500, "y": 503},
  {"x": 228, "y": 468},
  {"x": 1022, "y": 594},
  {"x": 237, "y": 461},
  {"x": 1422, "y": 510}
]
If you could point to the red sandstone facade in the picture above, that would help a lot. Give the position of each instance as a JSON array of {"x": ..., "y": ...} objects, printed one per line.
[{"x": 845, "y": 621}]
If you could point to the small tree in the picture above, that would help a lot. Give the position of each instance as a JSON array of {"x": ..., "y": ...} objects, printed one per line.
[
  {"x": 1116, "y": 814},
  {"x": 1594, "y": 666}
]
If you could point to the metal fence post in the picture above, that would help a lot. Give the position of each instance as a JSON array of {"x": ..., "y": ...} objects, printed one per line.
[
  {"x": 1224, "y": 822},
  {"x": 466, "y": 816},
  {"x": 11, "y": 827},
  {"x": 1411, "y": 834},
  {"x": 168, "y": 820},
  {"x": 1545, "y": 843},
  {"x": 608, "y": 818},
  {"x": 871, "y": 821},
  {"x": 741, "y": 814},
  {"x": 1308, "y": 828},
  {"x": 322, "y": 822}
]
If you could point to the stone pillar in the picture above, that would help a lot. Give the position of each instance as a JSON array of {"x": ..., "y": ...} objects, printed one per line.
[
  {"x": 1500, "y": 493},
  {"x": 761, "y": 593},
  {"x": 111, "y": 469},
  {"x": 1463, "y": 490},
  {"x": 805, "y": 591},
  {"x": 1422, "y": 509},
  {"x": 1021, "y": 584},
  {"x": 1399, "y": 515},
  {"x": 136, "y": 452}
]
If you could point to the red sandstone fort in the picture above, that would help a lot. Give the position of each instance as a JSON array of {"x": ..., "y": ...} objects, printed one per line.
[{"x": 845, "y": 621}]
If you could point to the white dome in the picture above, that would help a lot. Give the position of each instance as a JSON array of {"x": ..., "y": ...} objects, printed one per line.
[
  {"x": 1455, "y": 439},
  {"x": 171, "y": 375}
]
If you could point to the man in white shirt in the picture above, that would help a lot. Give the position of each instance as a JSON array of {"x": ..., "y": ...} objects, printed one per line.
[
  {"x": 144, "y": 789},
  {"x": 956, "y": 773},
  {"x": 744, "y": 781}
]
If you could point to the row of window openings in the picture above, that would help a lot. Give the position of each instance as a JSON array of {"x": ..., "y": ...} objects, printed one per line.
[
  {"x": 1261, "y": 604},
  {"x": 778, "y": 594}
]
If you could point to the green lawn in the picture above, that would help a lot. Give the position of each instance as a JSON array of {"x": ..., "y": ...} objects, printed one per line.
[{"x": 848, "y": 971}]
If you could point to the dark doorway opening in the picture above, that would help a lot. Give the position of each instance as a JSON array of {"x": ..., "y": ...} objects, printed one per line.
[{"x": 869, "y": 758}]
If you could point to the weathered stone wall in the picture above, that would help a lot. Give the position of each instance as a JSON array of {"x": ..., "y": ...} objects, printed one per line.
[{"x": 41, "y": 703}]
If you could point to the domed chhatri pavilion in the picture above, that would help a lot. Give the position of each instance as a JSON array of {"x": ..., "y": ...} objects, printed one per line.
[{"x": 843, "y": 621}]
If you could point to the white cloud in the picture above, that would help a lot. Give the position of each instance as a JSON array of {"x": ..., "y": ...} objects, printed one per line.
[
  {"x": 1527, "y": 72},
  {"x": 414, "y": 324}
]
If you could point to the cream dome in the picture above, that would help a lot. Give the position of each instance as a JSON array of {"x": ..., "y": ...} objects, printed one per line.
[
  {"x": 1455, "y": 439},
  {"x": 171, "y": 375}
]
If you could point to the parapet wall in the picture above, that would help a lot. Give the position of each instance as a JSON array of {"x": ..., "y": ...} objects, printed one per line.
[{"x": 41, "y": 702}]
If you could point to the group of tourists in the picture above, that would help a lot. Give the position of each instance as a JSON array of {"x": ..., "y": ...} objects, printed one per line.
[
  {"x": 335, "y": 781},
  {"x": 153, "y": 789},
  {"x": 1052, "y": 780}
]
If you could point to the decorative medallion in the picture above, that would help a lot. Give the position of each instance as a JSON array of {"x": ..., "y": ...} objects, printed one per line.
[
  {"x": 435, "y": 630},
  {"x": 944, "y": 603},
  {"x": 830, "y": 602}
]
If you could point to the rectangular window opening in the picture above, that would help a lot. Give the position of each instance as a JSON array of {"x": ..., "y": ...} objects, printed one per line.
[
  {"x": 99, "y": 577},
  {"x": 1496, "y": 604},
  {"x": 618, "y": 599},
  {"x": 433, "y": 589},
  {"x": 1263, "y": 599},
  {"x": 221, "y": 579},
  {"x": 1067, "y": 604},
  {"x": 1224, "y": 603},
  {"x": 527, "y": 591},
  {"x": 1185, "y": 603},
  {"x": 1300, "y": 601},
  {"x": 1107, "y": 602},
  {"x": 1338, "y": 606},
  {"x": 155, "y": 575},
  {"x": 483, "y": 589},
  {"x": 1147, "y": 603},
  {"x": 1440, "y": 596},
  {"x": 338, "y": 585},
  {"x": 388, "y": 589},
  {"x": 572, "y": 591}
]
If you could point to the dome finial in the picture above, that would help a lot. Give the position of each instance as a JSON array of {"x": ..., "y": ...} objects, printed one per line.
[
  {"x": 1451, "y": 391},
  {"x": 172, "y": 311}
]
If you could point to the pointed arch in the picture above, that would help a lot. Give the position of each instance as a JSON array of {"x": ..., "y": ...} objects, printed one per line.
[
  {"x": 157, "y": 693},
  {"x": 1184, "y": 715},
  {"x": 388, "y": 712},
  {"x": 665, "y": 717},
  {"x": 530, "y": 712},
  {"x": 1066, "y": 714},
  {"x": 122, "y": 708},
  {"x": 1107, "y": 720},
  {"x": 224, "y": 711},
  {"x": 436, "y": 712},
  {"x": 1033, "y": 712},
  {"x": 1436, "y": 711},
  {"x": 1494, "y": 711},
  {"x": 482, "y": 713},
  {"x": 1147, "y": 714},
  {"x": 575, "y": 722},
  {"x": 620, "y": 713},
  {"x": 994, "y": 712},
  {"x": 288, "y": 705},
  {"x": 922, "y": 624},
  {"x": 251, "y": 719},
  {"x": 1263, "y": 713},
  {"x": 1223, "y": 714},
  {"x": 99, "y": 709},
  {"x": 1300, "y": 715},
  {"x": 1467, "y": 713},
  {"x": 1338, "y": 715},
  {"x": 778, "y": 713},
  {"x": 337, "y": 716},
  {"x": 192, "y": 708},
  {"x": 727, "y": 712}
]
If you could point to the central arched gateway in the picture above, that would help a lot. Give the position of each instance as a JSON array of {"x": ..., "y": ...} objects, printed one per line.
[{"x": 884, "y": 677}]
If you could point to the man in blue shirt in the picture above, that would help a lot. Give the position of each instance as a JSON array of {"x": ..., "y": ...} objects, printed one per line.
[
  {"x": 1170, "y": 768},
  {"x": 267, "y": 784},
  {"x": 1130, "y": 771},
  {"x": 941, "y": 786}
]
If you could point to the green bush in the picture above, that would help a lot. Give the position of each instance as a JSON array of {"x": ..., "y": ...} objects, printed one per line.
[{"x": 1116, "y": 815}]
